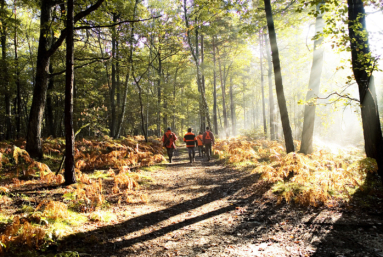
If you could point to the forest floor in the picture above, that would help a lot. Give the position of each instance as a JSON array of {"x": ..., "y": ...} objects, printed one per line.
[{"x": 210, "y": 209}]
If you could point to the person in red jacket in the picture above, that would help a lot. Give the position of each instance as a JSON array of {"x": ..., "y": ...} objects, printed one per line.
[
  {"x": 208, "y": 141},
  {"x": 168, "y": 142},
  {"x": 190, "y": 140}
]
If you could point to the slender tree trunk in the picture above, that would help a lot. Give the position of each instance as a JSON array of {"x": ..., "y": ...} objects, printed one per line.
[
  {"x": 205, "y": 107},
  {"x": 112, "y": 91},
  {"x": 223, "y": 97},
  {"x": 232, "y": 108},
  {"x": 69, "y": 133},
  {"x": 49, "y": 109},
  {"x": 17, "y": 79},
  {"x": 4, "y": 71},
  {"x": 203, "y": 123},
  {"x": 313, "y": 90},
  {"x": 215, "y": 121},
  {"x": 369, "y": 105},
  {"x": 262, "y": 84},
  {"x": 271, "y": 94},
  {"x": 278, "y": 79},
  {"x": 130, "y": 58},
  {"x": 159, "y": 72}
]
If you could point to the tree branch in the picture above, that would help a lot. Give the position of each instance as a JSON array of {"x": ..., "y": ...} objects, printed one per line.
[
  {"x": 76, "y": 18},
  {"x": 114, "y": 24}
]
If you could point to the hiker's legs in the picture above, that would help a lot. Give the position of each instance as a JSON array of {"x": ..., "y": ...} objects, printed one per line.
[
  {"x": 208, "y": 151},
  {"x": 200, "y": 150},
  {"x": 170, "y": 153},
  {"x": 191, "y": 153}
]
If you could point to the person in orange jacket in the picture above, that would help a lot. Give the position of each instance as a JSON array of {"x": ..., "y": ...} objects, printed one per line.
[
  {"x": 200, "y": 143},
  {"x": 190, "y": 140},
  {"x": 168, "y": 140},
  {"x": 208, "y": 141}
]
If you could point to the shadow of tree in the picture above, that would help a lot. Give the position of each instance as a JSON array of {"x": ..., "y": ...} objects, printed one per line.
[{"x": 227, "y": 184}]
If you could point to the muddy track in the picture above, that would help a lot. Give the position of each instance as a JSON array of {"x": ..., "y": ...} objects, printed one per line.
[{"x": 208, "y": 209}]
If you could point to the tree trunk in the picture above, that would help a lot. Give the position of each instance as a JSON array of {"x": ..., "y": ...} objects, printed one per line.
[
  {"x": 278, "y": 79},
  {"x": 34, "y": 146},
  {"x": 223, "y": 96},
  {"x": 262, "y": 85},
  {"x": 232, "y": 108},
  {"x": 130, "y": 58},
  {"x": 271, "y": 95},
  {"x": 369, "y": 105},
  {"x": 4, "y": 71},
  {"x": 49, "y": 109},
  {"x": 112, "y": 91},
  {"x": 313, "y": 91},
  {"x": 203, "y": 123},
  {"x": 159, "y": 72},
  {"x": 215, "y": 120},
  {"x": 18, "y": 85},
  {"x": 69, "y": 174},
  {"x": 204, "y": 105}
]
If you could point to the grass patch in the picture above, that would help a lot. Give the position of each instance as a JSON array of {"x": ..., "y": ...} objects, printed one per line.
[
  {"x": 153, "y": 168},
  {"x": 99, "y": 174}
]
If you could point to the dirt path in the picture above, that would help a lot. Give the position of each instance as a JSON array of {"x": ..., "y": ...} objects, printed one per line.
[{"x": 207, "y": 209}]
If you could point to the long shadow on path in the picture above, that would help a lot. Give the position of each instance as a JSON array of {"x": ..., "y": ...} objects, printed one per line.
[{"x": 224, "y": 189}]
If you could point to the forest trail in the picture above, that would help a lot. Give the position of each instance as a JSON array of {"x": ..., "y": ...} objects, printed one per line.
[{"x": 209, "y": 209}]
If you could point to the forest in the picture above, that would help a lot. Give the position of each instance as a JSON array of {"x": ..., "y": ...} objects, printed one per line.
[{"x": 90, "y": 91}]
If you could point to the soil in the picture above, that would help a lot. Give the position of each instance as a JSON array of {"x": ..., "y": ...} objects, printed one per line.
[{"x": 210, "y": 209}]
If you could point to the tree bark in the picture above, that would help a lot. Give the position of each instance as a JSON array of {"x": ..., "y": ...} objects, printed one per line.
[
  {"x": 49, "y": 109},
  {"x": 112, "y": 91},
  {"x": 271, "y": 94},
  {"x": 232, "y": 108},
  {"x": 262, "y": 85},
  {"x": 215, "y": 120},
  {"x": 278, "y": 79},
  {"x": 18, "y": 84},
  {"x": 223, "y": 96},
  {"x": 369, "y": 105},
  {"x": 69, "y": 174},
  {"x": 313, "y": 91}
]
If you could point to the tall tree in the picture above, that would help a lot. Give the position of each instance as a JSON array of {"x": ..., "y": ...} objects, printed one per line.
[
  {"x": 34, "y": 146},
  {"x": 362, "y": 66},
  {"x": 271, "y": 94},
  {"x": 195, "y": 54},
  {"x": 262, "y": 84},
  {"x": 313, "y": 90},
  {"x": 232, "y": 108},
  {"x": 69, "y": 77},
  {"x": 215, "y": 120},
  {"x": 278, "y": 79}
]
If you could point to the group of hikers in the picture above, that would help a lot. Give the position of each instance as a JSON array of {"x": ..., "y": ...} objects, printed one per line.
[{"x": 203, "y": 141}]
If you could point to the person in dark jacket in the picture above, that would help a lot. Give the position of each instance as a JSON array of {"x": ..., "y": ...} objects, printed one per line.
[
  {"x": 190, "y": 140},
  {"x": 168, "y": 140},
  {"x": 208, "y": 141}
]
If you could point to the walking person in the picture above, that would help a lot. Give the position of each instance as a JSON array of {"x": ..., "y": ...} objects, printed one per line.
[
  {"x": 208, "y": 141},
  {"x": 200, "y": 143},
  {"x": 190, "y": 140},
  {"x": 168, "y": 142}
]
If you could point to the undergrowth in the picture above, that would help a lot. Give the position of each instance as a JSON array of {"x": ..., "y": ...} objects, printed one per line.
[
  {"x": 311, "y": 180},
  {"x": 43, "y": 217}
]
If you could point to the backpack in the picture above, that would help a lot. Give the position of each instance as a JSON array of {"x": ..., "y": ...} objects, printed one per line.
[{"x": 167, "y": 139}]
